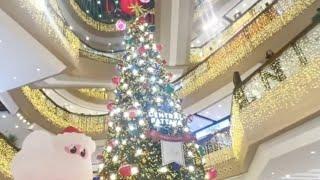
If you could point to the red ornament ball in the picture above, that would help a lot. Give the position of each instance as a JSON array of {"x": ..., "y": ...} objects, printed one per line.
[
  {"x": 100, "y": 157},
  {"x": 116, "y": 80},
  {"x": 125, "y": 6},
  {"x": 159, "y": 47},
  {"x": 164, "y": 62},
  {"x": 142, "y": 50},
  {"x": 125, "y": 170},
  {"x": 212, "y": 174},
  {"x": 110, "y": 105}
]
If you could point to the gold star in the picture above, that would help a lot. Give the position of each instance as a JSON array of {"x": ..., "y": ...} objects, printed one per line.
[{"x": 137, "y": 9}]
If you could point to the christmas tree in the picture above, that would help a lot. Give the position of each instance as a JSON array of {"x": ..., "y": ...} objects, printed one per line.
[{"x": 148, "y": 137}]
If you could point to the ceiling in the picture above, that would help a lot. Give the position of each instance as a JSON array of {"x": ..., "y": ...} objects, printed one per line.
[
  {"x": 217, "y": 15},
  {"x": 300, "y": 164},
  {"x": 23, "y": 59}
]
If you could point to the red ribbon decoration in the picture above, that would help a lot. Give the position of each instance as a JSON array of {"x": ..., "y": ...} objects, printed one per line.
[{"x": 156, "y": 136}]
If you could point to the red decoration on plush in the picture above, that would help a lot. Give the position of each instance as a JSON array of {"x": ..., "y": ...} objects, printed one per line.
[
  {"x": 212, "y": 174},
  {"x": 110, "y": 105},
  {"x": 116, "y": 80},
  {"x": 71, "y": 129},
  {"x": 142, "y": 50},
  {"x": 126, "y": 4},
  {"x": 125, "y": 170}
]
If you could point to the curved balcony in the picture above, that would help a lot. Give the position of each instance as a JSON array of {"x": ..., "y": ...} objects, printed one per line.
[
  {"x": 280, "y": 95},
  {"x": 55, "y": 118},
  {"x": 246, "y": 44}
]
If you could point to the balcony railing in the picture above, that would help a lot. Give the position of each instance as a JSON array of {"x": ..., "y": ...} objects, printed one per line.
[
  {"x": 51, "y": 21},
  {"x": 214, "y": 142},
  {"x": 264, "y": 26},
  {"x": 290, "y": 60},
  {"x": 60, "y": 117},
  {"x": 280, "y": 84}
]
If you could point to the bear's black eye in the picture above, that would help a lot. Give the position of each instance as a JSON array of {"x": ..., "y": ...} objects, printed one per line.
[
  {"x": 83, "y": 153},
  {"x": 73, "y": 150}
]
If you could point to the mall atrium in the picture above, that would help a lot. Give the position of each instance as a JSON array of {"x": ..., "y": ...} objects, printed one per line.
[{"x": 159, "y": 89}]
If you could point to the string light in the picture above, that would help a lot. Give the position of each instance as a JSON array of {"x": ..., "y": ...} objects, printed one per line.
[{"x": 244, "y": 43}]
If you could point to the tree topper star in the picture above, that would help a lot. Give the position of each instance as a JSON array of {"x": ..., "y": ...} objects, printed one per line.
[{"x": 137, "y": 9}]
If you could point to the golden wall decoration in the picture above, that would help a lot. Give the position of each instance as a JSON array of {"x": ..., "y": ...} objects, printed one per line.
[
  {"x": 7, "y": 153},
  {"x": 245, "y": 42},
  {"x": 96, "y": 93},
  {"x": 60, "y": 118},
  {"x": 300, "y": 63}
]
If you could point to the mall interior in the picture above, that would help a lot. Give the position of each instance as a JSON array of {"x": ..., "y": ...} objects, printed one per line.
[{"x": 159, "y": 89}]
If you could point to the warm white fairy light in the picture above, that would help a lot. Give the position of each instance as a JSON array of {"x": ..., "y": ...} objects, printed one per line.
[
  {"x": 134, "y": 170},
  {"x": 139, "y": 152},
  {"x": 113, "y": 176},
  {"x": 163, "y": 169},
  {"x": 115, "y": 158},
  {"x": 109, "y": 148}
]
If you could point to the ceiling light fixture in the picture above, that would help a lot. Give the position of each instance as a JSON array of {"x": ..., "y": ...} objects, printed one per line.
[
  {"x": 219, "y": 105},
  {"x": 38, "y": 69},
  {"x": 87, "y": 38},
  {"x": 70, "y": 27},
  {"x": 98, "y": 2},
  {"x": 313, "y": 152},
  {"x": 3, "y": 116},
  {"x": 14, "y": 78},
  {"x": 16, "y": 126},
  {"x": 288, "y": 176},
  {"x": 272, "y": 173}
]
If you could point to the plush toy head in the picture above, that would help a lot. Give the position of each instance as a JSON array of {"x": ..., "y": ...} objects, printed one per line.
[{"x": 64, "y": 156}]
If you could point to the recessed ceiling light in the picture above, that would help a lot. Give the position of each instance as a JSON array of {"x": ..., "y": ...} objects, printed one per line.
[
  {"x": 313, "y": 152},
  {"x": 0, "y": 41},
  {"x": 38, "y": 69},
  {"x": 70, "y": 27},
  {"x": 98, "y": 2},
  {"x": 272, "y": 173},
  {"x": 87, "y": 11},
  {"x": 14, "y": 78},
  {"x": 219, "y": 105},
  {"x": 198, "y": 41},
  {"x": 123, "y": 43},
  {"x": 288, "y": 176},
  {"x": 100, "y": 15},
  {"x": 3, "y": 116},
  {"x": 109, "y": 44},
  {"x": 16, "y": 126},
  {"x": 87, "y": 38},
  {"x": 24, "y": 121},
  {"x": 18, "y": 114}
]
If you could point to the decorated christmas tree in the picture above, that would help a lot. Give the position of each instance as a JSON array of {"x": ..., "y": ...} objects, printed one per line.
[{"x": 148, "y": 137}]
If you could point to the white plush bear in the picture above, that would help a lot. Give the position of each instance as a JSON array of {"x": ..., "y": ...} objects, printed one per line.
[{"x": 43, "y": 156}]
